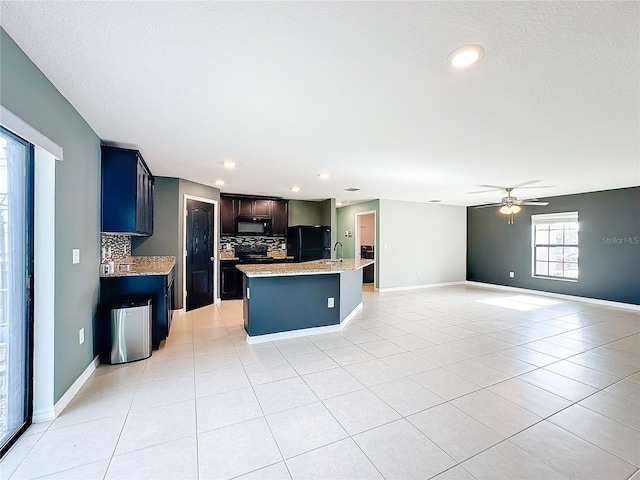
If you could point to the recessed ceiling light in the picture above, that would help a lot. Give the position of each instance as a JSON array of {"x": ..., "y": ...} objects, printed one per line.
[
  {"x": 435, "y": 201},
  {"x": 219, "y": 183},
  {"x": 465, "y": 56},
  {"x": 295, "y": 189},
  {"x": 229, "y": 164},
  {"x": 351, "y": 189},
  {"x": 323, "y": 176},
  {"x": 338, "y": 204}
]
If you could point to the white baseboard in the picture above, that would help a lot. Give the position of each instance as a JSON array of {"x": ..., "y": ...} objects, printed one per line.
[
  {"x": 573, "y": 298},
  {"x": 303, "y": 332},
  {"x": 416, "y": 287},
  {"x": 352, "y": 314},
  {"x": 43, "y": 415},
  {"x": 179, "y": 311},
  {"x": 75, "y": 387},
  {"x": 270, "y": 337}
]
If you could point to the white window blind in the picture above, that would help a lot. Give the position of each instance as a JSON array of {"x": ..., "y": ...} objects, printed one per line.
[{"x": 549, "y": 218}]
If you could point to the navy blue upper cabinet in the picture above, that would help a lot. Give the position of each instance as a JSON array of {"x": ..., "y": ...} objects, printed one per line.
[{"x": 127, "y": 192}]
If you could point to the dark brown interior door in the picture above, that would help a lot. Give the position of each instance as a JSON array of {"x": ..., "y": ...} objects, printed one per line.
[{"x": 199, "y": 262}]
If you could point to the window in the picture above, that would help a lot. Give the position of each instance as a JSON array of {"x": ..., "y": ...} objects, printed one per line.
[{"x": 555, "y": 245}]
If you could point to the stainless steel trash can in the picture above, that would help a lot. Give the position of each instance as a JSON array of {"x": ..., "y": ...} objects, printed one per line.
[{"x": 130, "y": 331}]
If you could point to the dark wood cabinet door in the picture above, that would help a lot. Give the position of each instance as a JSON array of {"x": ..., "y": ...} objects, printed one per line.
[
  {"x": 254, "y": 208},
  {"x": 262, "y": 208},
  {"x": 227, "y": 215},
  {"x": 230, "y": 280},
  {"x": 245, "y": 207},
  {"x": 280, "y": 217}
]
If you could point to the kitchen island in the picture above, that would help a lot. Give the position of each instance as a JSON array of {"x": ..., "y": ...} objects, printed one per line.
[{"x": 287, "y": 300}]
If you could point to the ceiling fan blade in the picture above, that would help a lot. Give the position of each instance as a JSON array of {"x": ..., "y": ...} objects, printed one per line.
[
  {"x": 493, "y": 188},
  {"x": 489, "y": 205},
  {"x": 525, "y": 202},
  {"x": 535, "y": 186},
  {"x": 525, "y": 183}
]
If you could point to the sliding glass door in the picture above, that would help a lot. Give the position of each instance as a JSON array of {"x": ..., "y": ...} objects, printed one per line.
[{"x": 16, "y": 273}]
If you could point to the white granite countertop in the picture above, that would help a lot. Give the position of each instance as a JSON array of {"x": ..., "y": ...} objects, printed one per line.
[
  {"x": 143, "y": 265},
  {"x": 315, "y": 267}
]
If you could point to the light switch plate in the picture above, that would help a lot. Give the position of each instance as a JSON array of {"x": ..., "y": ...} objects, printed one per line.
[
  {"x": 330, "y": 302},
  {"x": 76, "y": 255}
]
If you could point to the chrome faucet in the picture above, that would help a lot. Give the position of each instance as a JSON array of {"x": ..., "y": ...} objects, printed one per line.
[{"x": 336, "y": 246}]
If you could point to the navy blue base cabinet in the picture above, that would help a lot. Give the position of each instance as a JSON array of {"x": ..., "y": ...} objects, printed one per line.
[
  {"x": 158, "y": 288},
  {"x": 127, "y": 192}
]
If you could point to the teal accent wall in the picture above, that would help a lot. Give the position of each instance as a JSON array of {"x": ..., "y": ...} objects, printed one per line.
[
  {"x": 168, "y": 221},
  {"x": 304, "y": 212},
  {"x": 346, "y": 218},
  {"x": 197, "y": 190},
  {"x": 331, "y": 215},
  {"x": 609, "y": 242},
  {"x": 30, "y": 95},
  {"x": 165, "y": 240}
]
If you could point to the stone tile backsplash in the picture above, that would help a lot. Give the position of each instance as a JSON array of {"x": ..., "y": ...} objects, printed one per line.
[
  {"x": 273, "y": 244},
  {"x": 114, "y": 247}
]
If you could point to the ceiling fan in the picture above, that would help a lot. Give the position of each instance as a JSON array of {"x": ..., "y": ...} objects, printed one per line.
[{"x": 510, "y": 204}]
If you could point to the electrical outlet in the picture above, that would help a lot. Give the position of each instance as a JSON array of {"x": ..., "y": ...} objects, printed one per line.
[
  {"x": 512, "y": 274},
  {"x": 81, "y": 336},
  {"x": 330, "y": 302},
  {"x": 76, "y": 255}
]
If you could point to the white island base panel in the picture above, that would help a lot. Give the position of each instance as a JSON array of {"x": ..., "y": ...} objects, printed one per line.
[{"x": 303, "y": 332}]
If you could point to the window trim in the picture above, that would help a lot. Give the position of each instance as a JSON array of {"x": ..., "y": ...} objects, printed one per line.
[{"x": 549, "y": 219}]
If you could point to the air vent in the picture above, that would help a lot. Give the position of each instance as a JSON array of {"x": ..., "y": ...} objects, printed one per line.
[{"x": 351, "y": 189}]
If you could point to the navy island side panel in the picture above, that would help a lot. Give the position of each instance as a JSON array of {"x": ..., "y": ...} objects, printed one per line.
[{"x": 280, "y": 304}]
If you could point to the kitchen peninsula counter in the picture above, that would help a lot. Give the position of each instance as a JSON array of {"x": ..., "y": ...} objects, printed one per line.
[
  {"x": 295, "y": 299},
  {"x": 142, "y": 265},
  {"x": 314, "y": 267}
]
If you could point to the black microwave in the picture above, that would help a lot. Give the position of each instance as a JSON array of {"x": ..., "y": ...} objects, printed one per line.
[{"x": 253, "y": 226}]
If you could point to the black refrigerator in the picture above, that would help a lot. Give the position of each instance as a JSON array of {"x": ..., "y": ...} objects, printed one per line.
[{"x": 305, "y": 243}]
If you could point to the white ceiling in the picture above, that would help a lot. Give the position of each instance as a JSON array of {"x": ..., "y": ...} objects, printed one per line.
[{"x": 361, "y": 90}]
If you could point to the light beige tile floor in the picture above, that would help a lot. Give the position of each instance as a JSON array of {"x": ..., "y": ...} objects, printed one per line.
[{"x": 450, "y": 382}]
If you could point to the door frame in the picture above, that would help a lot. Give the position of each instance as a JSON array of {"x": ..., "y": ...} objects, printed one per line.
[
  {"x": 356, "y": 239},
  {"x": 46, "y": 154},
  {"x": 216, "y": 246}
]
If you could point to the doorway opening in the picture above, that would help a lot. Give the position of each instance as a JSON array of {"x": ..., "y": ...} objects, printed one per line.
[
  {"x": 200, "y": 242},
  {"x": 365, "y": 244}
]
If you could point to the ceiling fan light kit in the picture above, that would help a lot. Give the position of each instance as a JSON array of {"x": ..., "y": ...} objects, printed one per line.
[{"x": 510, "y": 209}]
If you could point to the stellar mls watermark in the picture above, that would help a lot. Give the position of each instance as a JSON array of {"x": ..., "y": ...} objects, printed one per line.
[{"x": 620, "y": 240}]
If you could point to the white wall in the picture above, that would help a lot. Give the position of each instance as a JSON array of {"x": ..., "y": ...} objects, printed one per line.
[{"x": 421, "y": 236}]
